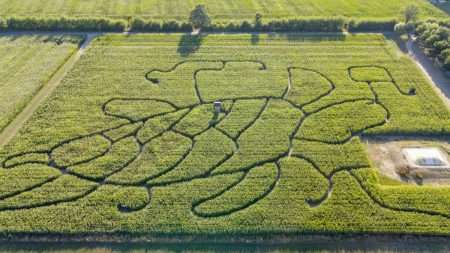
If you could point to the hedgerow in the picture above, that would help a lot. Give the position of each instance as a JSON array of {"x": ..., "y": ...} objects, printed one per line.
[
  {"x": 374, "y": 25},
  {"x": 132, "y": 140},
  {"x": 276, "y": 25},
  {"x": 138, "y": 24},
  {"x": 64, "y": 24},
  {"x": 3, "y": 24}
]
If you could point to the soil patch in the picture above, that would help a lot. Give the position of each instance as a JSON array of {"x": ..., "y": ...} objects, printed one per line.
[{"x": 386, "y": 154}]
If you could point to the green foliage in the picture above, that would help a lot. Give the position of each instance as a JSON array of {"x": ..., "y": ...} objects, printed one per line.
[
  {"x": 27, "y": 63},
  {"x": 198, "y": 120},
  {"x": 79, "y": 150},
  {"x": 49, "y": 193},
  {"x": 26, "y": 158},
  {"x": 411, "y": 13},
  {"x": 243, "y": 114},
  {"x": 348, "y": 119},
  {"x": 123, "y": 131},
  {"x": 199, "y": 17},
  {"x": 284, "y": 155},
  {"x": 25, "y": 177},
  {"x": 226, "y": 82},
  {"x": 157, "y": 157},
  {"x": 64, "y": 24},
  {"x": 258, "y": 21},
  {"x": 434, "y": 35},
  {"x": 301, "y": 81},
  {"x": 118, "y": 156},
  {"x": 313, "y": 24},
  {"x": 407, "y": 196},
  {"x": 374, "y": 25},
  {"x": 156, "y": 126},
  {"x": 257, "y": 182},
  {"x": 3, "y": 24},
  {"x": 209, "y": 150},
  {"x": 137, "y": 109},
  {"x": 400, "y": 28}
]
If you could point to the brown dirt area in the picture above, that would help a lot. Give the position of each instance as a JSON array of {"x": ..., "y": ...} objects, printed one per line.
[{"x": 386, "y": 155}]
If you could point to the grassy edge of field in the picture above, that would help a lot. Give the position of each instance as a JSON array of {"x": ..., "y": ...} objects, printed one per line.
[{"x": 23, "y": 104}]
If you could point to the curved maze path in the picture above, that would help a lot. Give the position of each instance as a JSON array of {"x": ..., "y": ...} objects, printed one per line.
[{"x": 139, "y": 137}]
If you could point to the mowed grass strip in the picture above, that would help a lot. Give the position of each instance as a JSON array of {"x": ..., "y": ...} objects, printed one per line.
[
  {"x": 226, "y": 10},
  {"x": 136, "y": 165},
  {"x": 26, "y": 64}
]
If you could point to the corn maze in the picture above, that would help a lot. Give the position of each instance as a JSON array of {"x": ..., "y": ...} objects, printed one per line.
[{"x": 284, "y": 148}]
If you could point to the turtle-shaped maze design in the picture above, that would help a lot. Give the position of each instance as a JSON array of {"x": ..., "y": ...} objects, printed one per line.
[{"x": 162, "y": 143}]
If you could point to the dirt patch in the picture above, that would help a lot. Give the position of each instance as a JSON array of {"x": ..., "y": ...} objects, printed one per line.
[{"x": 386, "y": 154}]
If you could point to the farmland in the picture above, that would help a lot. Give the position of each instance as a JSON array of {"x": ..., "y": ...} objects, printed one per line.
[
  {"x": 220, "y": 10},
  {"x": 132, "y": 142},
  {"x": 26, "y": 64}
]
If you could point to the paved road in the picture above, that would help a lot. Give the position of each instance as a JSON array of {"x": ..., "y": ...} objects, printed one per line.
[
  {"x": 434, "y": 74},
  {"x": 14, "y": 126}
]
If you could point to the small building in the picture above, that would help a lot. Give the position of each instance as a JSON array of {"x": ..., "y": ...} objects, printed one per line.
[{"x": 426, "y": 158}]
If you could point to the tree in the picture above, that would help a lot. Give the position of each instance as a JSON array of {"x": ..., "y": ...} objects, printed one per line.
[
  {"x": 199, "y": 17},
  {"x": 411, "y": 13},
  {"x": 258, "y": 21},
  {"x": 400, "y": 28}
]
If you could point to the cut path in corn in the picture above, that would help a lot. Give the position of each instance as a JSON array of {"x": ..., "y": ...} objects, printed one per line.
[{"x": 14, "y": 126}]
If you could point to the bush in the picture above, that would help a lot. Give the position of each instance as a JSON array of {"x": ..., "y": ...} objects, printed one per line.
[
  {"x": 446, "y": 63},
  {"x": 400, "y": 28},
  {"x": 65, "y": 24},
  {"x": 444, "y": 54},
  {"x": 372, "y": 25},
  {"x": 441, "y": 45},
  {"x": 403, "y": 170},
  {"x": 434, "y": 36},
  {"x": 305, "y": 25},
  {"x": 3, "y": 25},
  {"x": 139, "y": 24},
  {"x": 174, "y": 26}
]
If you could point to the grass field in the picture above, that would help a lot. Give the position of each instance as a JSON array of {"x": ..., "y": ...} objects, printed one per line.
[
  {"x": 129, "y": 142},
  {"x": 231, "y": 9},
  {"x": 26, "y": 64}
]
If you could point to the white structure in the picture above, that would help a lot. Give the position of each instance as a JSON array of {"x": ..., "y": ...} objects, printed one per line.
[
  {"x": 218, "y": 107},
  {"x": 426, "y": 158}
]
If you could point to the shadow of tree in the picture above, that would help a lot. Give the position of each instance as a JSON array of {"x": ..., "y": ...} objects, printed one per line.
[
  {"x": 254, "y": 39},
  {"x": 189, "y": 44}
]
